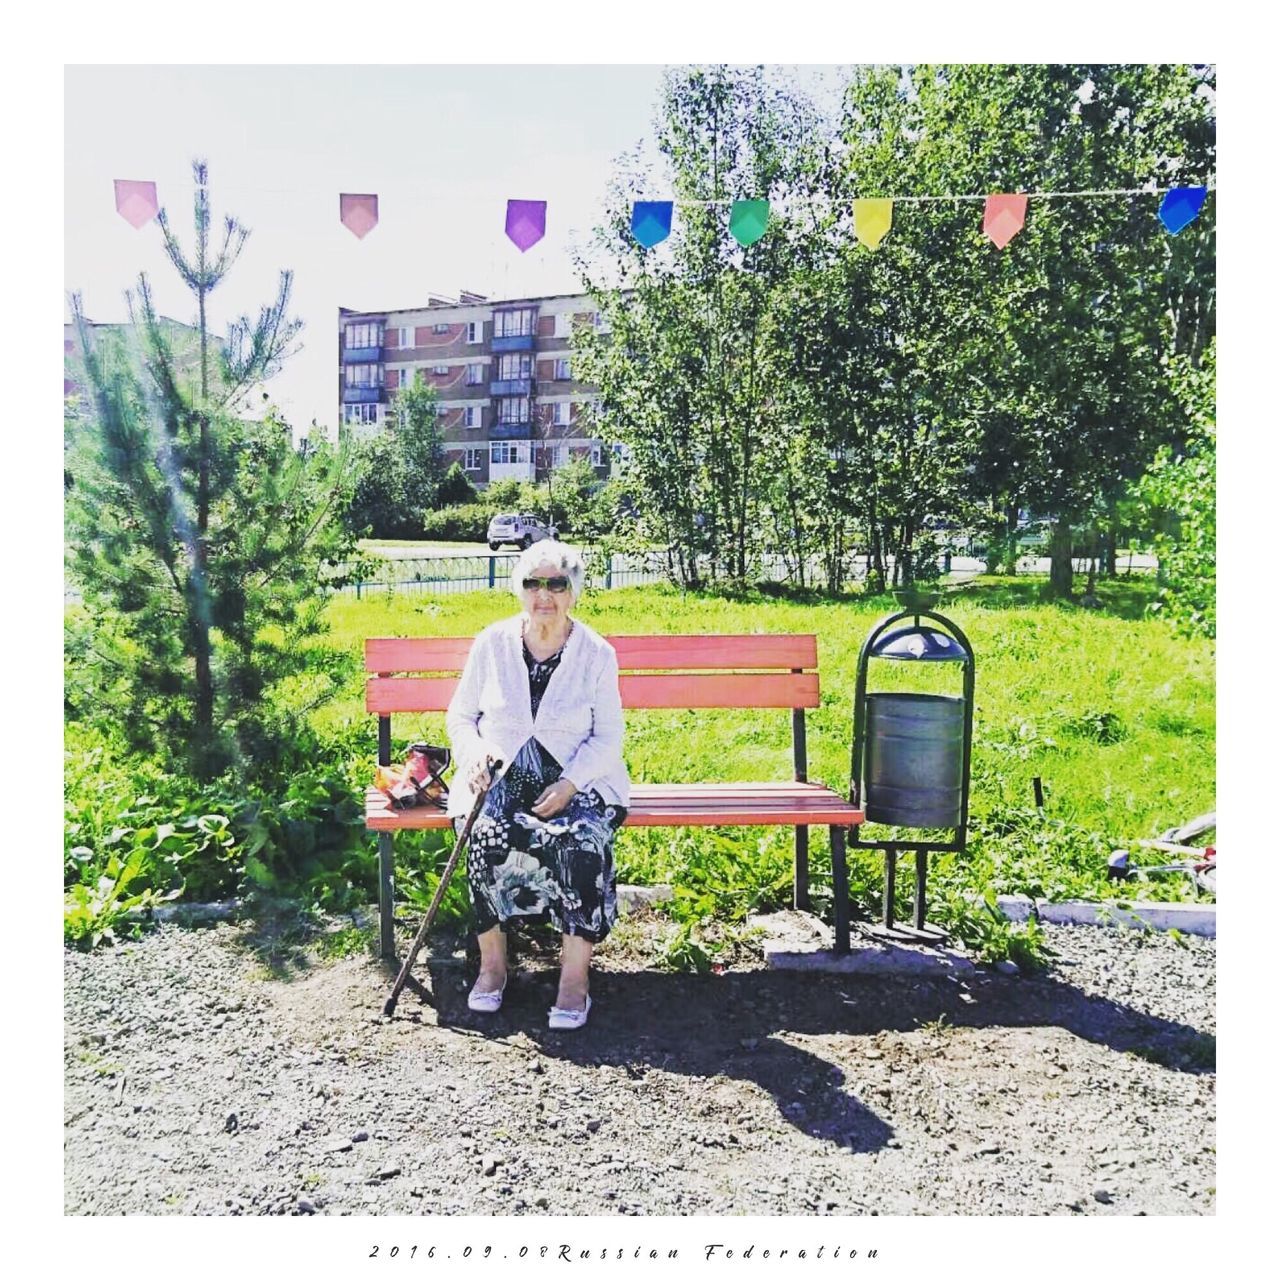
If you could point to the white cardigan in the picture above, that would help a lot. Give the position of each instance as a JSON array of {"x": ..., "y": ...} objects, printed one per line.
[{"x": 579, "y": 718}]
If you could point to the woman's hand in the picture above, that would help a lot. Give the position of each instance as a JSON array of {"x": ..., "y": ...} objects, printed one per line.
[
  {"x": 554, "y": 799},
  {"x": 478, "y": 775}
]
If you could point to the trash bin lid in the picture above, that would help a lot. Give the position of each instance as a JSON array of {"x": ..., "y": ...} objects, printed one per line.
[{"x": 919, "y": 644}]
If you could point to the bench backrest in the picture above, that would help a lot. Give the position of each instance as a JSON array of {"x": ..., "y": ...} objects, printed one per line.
[{"x": 713, "y": 671}]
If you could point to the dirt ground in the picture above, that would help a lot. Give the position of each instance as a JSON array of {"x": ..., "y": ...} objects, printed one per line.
[{"x": 235, "y": 1070}]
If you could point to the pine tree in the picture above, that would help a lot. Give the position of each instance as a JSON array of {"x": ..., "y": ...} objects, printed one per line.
[{"x": 197, "y": 537}]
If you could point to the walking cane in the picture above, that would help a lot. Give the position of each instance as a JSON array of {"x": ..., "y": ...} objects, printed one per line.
[{"x": 461, "y": 843}]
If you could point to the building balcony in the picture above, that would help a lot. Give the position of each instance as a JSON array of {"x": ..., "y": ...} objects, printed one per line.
[
  {"x": 513, "y": 342},
  {"x": 511, "y": 387},
  {"x": 361, "y": 355},
  {"x": 511, "y": 431},
  {"x": 361, "y": 395}
]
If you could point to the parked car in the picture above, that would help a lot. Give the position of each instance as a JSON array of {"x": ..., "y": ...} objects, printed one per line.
[{"x": 521, "y": 530}]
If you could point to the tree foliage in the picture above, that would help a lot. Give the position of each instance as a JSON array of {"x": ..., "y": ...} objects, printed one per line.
[
  {"x": 197, "y": 537},
  {"x": 402, "y": 468},
  {"x": 810, "y": 396},
  {"x": 681, "y": 365},
  {"x": 1180, "y": 487}
]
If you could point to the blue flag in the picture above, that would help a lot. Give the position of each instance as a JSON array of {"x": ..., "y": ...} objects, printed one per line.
[
  {"x": 1180, "y": 207},
  {"x": 651, "y": 221}
]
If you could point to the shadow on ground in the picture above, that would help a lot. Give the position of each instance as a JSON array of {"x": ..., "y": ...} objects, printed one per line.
[{"x": 736, "y": 1025}]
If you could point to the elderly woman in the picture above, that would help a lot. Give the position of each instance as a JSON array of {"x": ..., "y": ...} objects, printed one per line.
[{"x": 540, "y": 693}]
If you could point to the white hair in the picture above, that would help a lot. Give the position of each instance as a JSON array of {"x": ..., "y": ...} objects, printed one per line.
[{"x": 548, "y": 551}]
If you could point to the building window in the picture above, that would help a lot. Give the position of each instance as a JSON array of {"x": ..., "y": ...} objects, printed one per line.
[
  {"x": 507, "y": 451},
  {"x": 596, "y": 458},
  {"x": 516, "y": 365},
  {"x": 560, "y": 413},
  {"x": 442, "y": 411},
  {"x": 558, "y": 454},
  {"x": 513, "y": 409},
  {"x": 564, "y": 323},
  {"x": 363, "y": 414},
  {"x": 439, "y": 328},
  {"x": 440, "y": 370},
  {"x": 472, "y": 416},
  {"x": 471, "y": 459},
  {"x": 475, "y": 375},
  {"x": 601, "y": 322},
  {"x": 407, "y": 378},
  {"x": 513, "y": 324},
  {"x": 475, "y": 331},
  {"x": 364, "y": 375},
  {"x": 562, "y": 370},
  {"x": 363, "y": 336}
]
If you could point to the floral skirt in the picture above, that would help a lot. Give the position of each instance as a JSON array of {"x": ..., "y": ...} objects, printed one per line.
[{"x": 558, "y": 870}]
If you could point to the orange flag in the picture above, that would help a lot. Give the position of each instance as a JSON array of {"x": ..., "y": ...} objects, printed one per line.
[{"x": 1003, "y": 218}]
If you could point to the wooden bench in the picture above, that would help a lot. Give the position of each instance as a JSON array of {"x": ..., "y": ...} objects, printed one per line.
[{"x": 759, "y": 672}]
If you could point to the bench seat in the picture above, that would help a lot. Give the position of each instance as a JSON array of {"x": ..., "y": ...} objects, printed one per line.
[{"x": 679, "y": 804}]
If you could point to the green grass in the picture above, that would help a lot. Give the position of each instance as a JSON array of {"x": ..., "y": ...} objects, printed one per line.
[{"x": 1114, "y": 711}]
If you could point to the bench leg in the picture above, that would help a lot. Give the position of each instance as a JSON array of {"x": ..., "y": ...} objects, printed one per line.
[
  {"x": 890, "y": 875},
  {"x": 800, "y": 898},
  {"x": 922, "y": 872},
  {"x": 840, "y": 887},
  {"x": 386, "y": 896}
]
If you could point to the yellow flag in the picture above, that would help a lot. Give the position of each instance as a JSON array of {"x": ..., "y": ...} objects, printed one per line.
[{"x": 871, "y": 220}]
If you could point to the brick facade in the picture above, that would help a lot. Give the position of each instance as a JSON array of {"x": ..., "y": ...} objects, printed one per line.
[{"x": 498, "y": 380}]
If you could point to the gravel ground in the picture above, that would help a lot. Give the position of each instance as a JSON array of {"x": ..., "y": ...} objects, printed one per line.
[{"x": 235, "y": 1070}]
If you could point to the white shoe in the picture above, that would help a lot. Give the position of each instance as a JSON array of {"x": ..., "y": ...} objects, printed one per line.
[
  {"x": 568, "y": 1019},
  {"x": 486, "y": 1001}
]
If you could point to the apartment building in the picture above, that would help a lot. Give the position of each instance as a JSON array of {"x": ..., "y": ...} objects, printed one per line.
[
  {"x": 509, "y": 404},
  {"x": 183, "y": 340}
]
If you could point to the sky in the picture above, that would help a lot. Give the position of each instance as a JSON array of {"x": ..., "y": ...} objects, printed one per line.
[{"x": 444, "y": 148}]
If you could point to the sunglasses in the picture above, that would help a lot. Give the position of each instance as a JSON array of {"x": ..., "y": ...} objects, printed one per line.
[{"x": 556, "y": 585}]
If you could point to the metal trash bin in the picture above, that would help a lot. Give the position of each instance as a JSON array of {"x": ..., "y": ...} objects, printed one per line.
[
  {"x": 911, "y": 751},
  {"x": 914, "y": 763}
]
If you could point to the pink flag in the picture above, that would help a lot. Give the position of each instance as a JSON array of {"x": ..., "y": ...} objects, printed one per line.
[
  {"x": 526, "y": 222},
  {"x": 136, "y": 202},
  {"x": 359, "y": 214},
  {"x": 1004, "y": 218}
]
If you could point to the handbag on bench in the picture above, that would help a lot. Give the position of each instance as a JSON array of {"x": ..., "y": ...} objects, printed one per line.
[{"x": 418, "y": 780}]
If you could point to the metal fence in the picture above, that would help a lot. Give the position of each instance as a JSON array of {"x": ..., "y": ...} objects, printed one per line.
[
  {"x": 454, "y": 574},
  {"x": 457, "y": 574}
]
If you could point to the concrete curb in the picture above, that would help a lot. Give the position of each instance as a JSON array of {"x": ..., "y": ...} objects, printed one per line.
[
  {"x": 1186, "y": 917},
  {"x": 786, "y": 953},
  {"x": 872, "y": 958},
  {"x": 631, "y": 896}
]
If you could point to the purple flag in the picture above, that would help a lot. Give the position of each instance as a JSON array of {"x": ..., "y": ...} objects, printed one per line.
[
  {"x": 359, "y": 213},
  {"x": 136, "y": 202},
  {"x": 526, "y": 222}
]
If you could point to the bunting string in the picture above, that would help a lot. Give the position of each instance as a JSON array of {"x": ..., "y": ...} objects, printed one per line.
[{"x": 1004, "y": 213}]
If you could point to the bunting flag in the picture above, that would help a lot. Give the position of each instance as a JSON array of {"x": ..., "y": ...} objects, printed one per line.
[
  {"x": 136, "y": 202},
  {"x": 359, "y": 213},
  {"x": 872, "y": 220},
  {"x": 1003, "y": 218},
  {"x": 651, "y": 221},
  {"x": 1180, "y": 207},
  {"x": 747, "y": 220},
  {"x": 526, "y": 222}
]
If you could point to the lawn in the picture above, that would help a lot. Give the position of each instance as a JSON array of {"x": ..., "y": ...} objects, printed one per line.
[{"x": 1114, "y": 711}]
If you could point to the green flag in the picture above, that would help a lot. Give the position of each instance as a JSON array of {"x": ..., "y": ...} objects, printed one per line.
[{"x": 747, "y": 220}]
